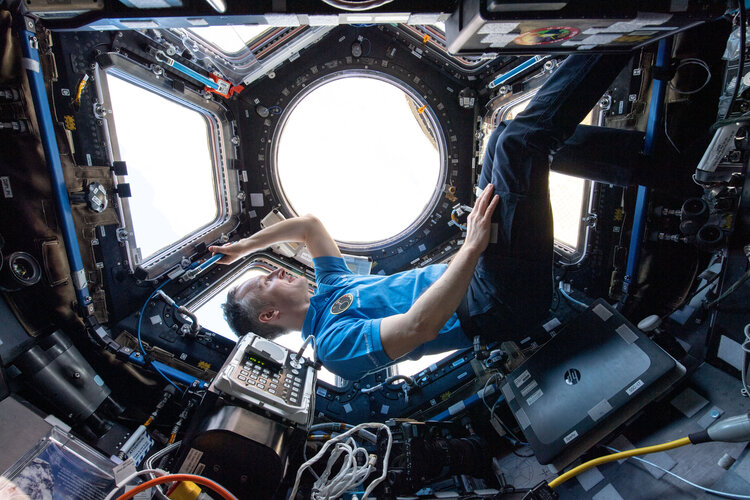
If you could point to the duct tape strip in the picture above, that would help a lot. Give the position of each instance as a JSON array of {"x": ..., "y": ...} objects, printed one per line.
[
  {"x": 31, "y": 64},
  {"x": 627, "y": 334}
]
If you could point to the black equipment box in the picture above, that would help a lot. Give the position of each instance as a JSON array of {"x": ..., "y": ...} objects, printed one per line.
[{"x": 539, "y": 27}]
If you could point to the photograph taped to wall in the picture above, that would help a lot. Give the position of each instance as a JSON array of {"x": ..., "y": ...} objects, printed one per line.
[{"x": 59, "y": 467}]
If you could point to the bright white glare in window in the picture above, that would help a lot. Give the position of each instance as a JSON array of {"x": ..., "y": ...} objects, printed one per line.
[
  {"x": 353, "y": 154},
  {"x": 170, "y": 171},
  {"x": 566, "y": 196},
  {"x": 211, "y": 316},
  {"x": 230, "y": 39},
  {"x": 412, "y": 367}
]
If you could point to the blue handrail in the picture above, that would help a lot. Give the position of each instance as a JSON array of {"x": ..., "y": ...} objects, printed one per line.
[
  {"x": 653, "y": 128},
  {"x": 29, "y": 48}
]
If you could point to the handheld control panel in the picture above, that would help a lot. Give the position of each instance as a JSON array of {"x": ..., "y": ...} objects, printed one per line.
[{"x": 267, "y": 375}]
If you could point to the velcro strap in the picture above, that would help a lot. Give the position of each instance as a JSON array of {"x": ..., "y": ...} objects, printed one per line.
[{"x": 665, "y": 73}]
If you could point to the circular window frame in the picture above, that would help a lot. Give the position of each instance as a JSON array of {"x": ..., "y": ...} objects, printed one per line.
[{"x": 432, "y": 118}]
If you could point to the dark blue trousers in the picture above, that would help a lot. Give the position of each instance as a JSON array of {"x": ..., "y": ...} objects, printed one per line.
[{"x": 512, "y": 286}]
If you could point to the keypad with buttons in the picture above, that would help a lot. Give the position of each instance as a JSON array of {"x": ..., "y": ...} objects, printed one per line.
[
  {"x": 285, "y": 383},
  {"x": 261, "y": 373}
]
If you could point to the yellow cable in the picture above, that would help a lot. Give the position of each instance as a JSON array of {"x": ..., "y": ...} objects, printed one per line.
[
  {"x": 617, "y": 456},
  {"x": 81, "y": 86}
]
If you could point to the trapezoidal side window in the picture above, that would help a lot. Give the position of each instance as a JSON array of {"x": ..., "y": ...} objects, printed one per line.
[{"x": 176, "y": 167}]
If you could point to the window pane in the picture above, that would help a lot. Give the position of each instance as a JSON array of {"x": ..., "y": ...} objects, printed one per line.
[
  {"x": 230, "y": 39},
  {"x": 211, "y": 316},
  {"x": 170, "y": 170},
  {"x": 361, "y": 142},
  {"x": 566, "y": 197}
]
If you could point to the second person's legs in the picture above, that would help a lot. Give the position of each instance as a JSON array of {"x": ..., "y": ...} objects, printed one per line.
[{"x": 517, "y": 269}]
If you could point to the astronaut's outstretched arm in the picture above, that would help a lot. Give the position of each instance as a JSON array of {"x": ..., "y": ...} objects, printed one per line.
[{"x": 306, "y": 229}]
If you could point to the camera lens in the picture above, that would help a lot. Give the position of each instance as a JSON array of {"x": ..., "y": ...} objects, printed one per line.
[{"x": 23, "y": 269}]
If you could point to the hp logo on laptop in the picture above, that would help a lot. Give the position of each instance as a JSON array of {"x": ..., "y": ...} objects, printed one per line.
[{"x": 572, "y": 376}]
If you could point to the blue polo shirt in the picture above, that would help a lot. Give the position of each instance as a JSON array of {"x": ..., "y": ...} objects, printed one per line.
[{"x": 346, "y": 310}]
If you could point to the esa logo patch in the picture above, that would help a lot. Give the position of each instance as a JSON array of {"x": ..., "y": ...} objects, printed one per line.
[
  {"x": 543, "y": 36},
  {"x": 342, "y": 303}
]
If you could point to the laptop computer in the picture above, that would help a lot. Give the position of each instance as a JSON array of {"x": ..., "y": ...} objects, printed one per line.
[{"x": 596, "y": 373}]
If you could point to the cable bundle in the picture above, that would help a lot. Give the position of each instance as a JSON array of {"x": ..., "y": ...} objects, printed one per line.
[{"x": 351, "y": 474}]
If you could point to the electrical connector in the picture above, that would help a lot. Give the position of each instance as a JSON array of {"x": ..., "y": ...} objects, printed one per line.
[
  {"x": 187, "y": 490},
  {"x": 541, "y": 491},
  {"x": 497, "y": 425}
]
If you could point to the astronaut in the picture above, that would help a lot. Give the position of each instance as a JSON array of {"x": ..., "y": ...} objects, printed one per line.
[{"x": 365, "y": 323}]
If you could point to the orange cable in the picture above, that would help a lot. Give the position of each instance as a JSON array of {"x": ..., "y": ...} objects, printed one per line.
[{"x": 178, "y": 477}]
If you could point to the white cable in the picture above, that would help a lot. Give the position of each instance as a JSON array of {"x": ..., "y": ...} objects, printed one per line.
[
  {"x": 666, "y": 131},
  {"x": 707, "y": 490},
  {"x": 338, "y": 427},
  {"x": 484, "y": 389},
  {"x": 507, "y": 429},
  {"x": 349, "y": 475},
  {"x": 687, "y": 62},
  {"x": 151, "y": 461},
  {"x": 353, "y": 476},
  {"x": 492, "y": 409},
  {"x": 385, "y": 462},
  {"x": 125, "y": 481}
]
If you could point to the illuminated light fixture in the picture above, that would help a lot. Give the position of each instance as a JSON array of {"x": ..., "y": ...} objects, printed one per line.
[
  {"x": 375, "y": 18},
  {"x": 358, "y": 18},
  {"x": 282, "y": 20},
  {"x": 139, "y": 24},
  {"x": 230, "y": 39},
  {"x": 219, "y": 6},
  {"x": 330, "y": 20},
  {"x": 516, "y": 6},
  {"x": 391, "y": 18},
  {"x": 425, "y": 18}
]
